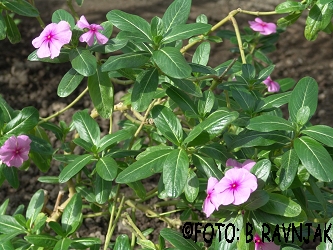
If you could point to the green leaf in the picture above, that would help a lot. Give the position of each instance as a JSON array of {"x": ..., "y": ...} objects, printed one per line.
[
  {"x": 244, "y": 98},
  {"x": 42, "y": 161},
  {"x": 207, "y": 166},
  {"x": 266, "y": 72},
  {"x": 101, "y": 93},
  {"x": 216, "y": 151},
  {"x": 127, "y": 22},
  {"x": 49, "y": 179},
  {"x": 273, "y": 101},
  {"x": 23, "y": 8},
  {"x": 79, "y": 2},
  {"x": 248, "y": 71},
  {"x": 11, "y": 175},
  {"x": 178, "y": 240},
  {"x": 4, "y": 207},
  {"x": 321, "y": 133},
  {"x": 122, "y": 243},
  {"x": 177, "y": 13},
  {"x": 87, "y": 127},
  {"x": 172, "y": 62},
  {"x": 13, "y": 33},
  {"x": 289, "y": 6},
  {"x": 107, "y": 168},
  {"x": 63, "y": 244},
  {"x": 63, "y": 15},
  {"x": 262, "y": 170},
  {"x": 257, "y": 199},
  {"x": 102, "y": 189},
  {"x": 35, "y": 206},
  {"x": 201, "y": 54},
  {"x": 110, "y": 139},
  {"x": 6, "y": 245},
  {"x": 319, "y": 17},
  {"x": 83, "y": 61},
  {"x": 211, "y": 127},
  {"x": 191, "y": 186},
  {"x": 72, "y": 214},
  {"x": 3, "y": 28},
  {"x": 267, "y": 123},
  {"x": 128, "y": 60},
  {"x": 281, "y": 205},
  {"x": 185, "y": 31},
  {"x": 175, "y": 171},
  {"x": 315, "y": 158},
  {"x": 206, "y": 102},
  {"x": 41, "y": 240},
  {"x": 39, "y": 223},
  {"x": 144, "y": 89},
  {"x": 74, "y": 167},
  {"x": 26, "y": 120},
  {"x": 63, "y": 57},
  {"x": 187, "y": 86},
  {"x": 326, "y": 244},
  {"x": 138, "y": 188},
  {"x": 181, "y": 98},
  {"x": 168, "y": 124},
  {"x": 144, "y": 167},
  {"x": 69, "y": 82},
  {"x": 289, "y": 167},
  {"x": 288, "y": 20},
  {"x": 8, "y": 112},
  {"x": 303, "y": 115},
  {"x": 8, "y": 225}
]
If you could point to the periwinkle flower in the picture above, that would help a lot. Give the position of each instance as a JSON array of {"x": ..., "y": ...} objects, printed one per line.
[
  {"x": 15, "y": 150},
  {"x": 248, "y": 164},
  {"x": 212, "y": 200},
  {"x": 262, "y": 27},
  {"x": 93, "y": 31},
  {"x": 271, "y": 85},
  {"x": 52, "y": 38},
  {"x": 236, "y": 186},
  {"x": 260, "y": 245}
]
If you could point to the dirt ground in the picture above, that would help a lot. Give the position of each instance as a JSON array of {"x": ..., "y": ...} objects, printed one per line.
[{"x": 24, "y": 83}]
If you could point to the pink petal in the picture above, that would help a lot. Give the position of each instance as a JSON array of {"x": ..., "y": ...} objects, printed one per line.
[
  {"x": 233, "y": 163},
  {"x": 87, "y": 37},
  {"x": 248, "y": 164},
  {"x": 227, "y": 197},
  {"x": 211, "y": 183},
  {"x": 55, "y": 47},
  {"x": 270, "y": 28},
  {"x": 83, "y": 23},
  {"x": 257, "y": 27},
  {"x": 208, "y": 207},
  {"x": 273, "y": 87},
  {"x": 215, "y": 199},
  {"x": 101, "y": 39},
  {"x": 241, "y": 195},
  {"x": 44, "y": 50},
  {"x": 15, "y": 162}
]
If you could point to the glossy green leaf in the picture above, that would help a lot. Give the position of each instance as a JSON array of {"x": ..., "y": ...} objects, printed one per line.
[
  {"x": 3, "y": 27},
  {"x": 83, "y": 61},
  {"x": 273, "y": 101},
  {"x": 185, "y": 31},
  {"x": 63, "y": 15},
  {"x": 113, "y": 138},
  {"x": 207, "y": 166},
  {"x": 267, "y": 123},
  {"x": 129, "y": 22},
  {"x": 87, "y": 127},
  {"x": 201, "y": 54},
  {"x": 175, "y": 171},
  {"x": 144, "y": 167},
  {"x": 26, "y": 120},
  {"x": 102, "y": 189},
  {"x": 144, "y": 89},
  {"x": 168, "y": 124},
  {"x": 63, "y": 244},
  {"x": 303, "y": 115},
  {"x": 63, "y": 57},
  {"x": 177, "y": 239},
  {"x": 266, "y": 72},
  {"x": 177, "y": 13},
  {"x": 72, "y": 214},
  {"x": 191, "y": 189},
  {"x": 319, "y": 17},
  {"x": 6, "y": 245},
  {"x": 4, "y": 206},
  {"x": 262, "y": 170},
  {"x": 79, "y": 2},
  {"x": 42, "y": 161},
  {"x": 171, "y": 62},
  {"x": 84, "y": 242},
  {"x": 49, "y": 179},
  {"x": 321, "y": 133},
  {"x": 101, "y": 93},
  {"x": 211, "y": 127},
  {"x": 327, "y": 244},
  {"x": 248, "y": 71},
  {"x": 128, "y": 60},
  {"x": 69, "y": 82},
  {"x": 74, "y": 167},
  {"x": 187, "y": 86},
  {"x": 107, "y": 168},
  {"x": 288, "y": 20},
  {"x": 23, "y": 8},
  {"x": 35, "y": 206},
  {"x": 244, "y": 98},
  {"x": 138, "y": 188},
  {"x": 8, "y": 225},
  {"x": 8, "y": 111},
  {"x": 314, "y": 157},
  {"x": 257, "y": 199},
  {"x": 289, "y": 6},
  {"x": 11, "y": 175},
  {"x": 122, "y": 242},
  {"x": 289, "y": 167},
  {"x": 206, "y": 102},
  {"x": 216, "y": 151},
  {"x": 181, "y": 98},
  {"x": 281, "y": 205},
  {"x": 41, "y": 240},
  {"x": 39, "y": 222}
]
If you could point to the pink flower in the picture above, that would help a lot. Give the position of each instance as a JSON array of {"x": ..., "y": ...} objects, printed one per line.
[
  {"x": 92, "y": 32},
  {"x": 52, "y": 38},
  {"x": 248, "y": 164},
  {"x": 212, "y": 200},
  {"x": 15, "y": 150},
  {"x": 236, "y": 186},
  {"x": 260, "y": 245},
  {"x": 271, "y": 85},
  {"x": 262, "y": 27}
]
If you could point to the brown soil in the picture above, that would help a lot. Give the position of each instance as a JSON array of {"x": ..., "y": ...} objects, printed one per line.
[{"x": 24, "y": 83}]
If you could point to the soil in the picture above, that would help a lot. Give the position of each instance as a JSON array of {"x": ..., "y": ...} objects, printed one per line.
[{"x": 24, "y": 83}]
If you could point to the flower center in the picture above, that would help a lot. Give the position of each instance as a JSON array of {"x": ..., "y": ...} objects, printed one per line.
[
  {"x": 49, "y": 37},
  {"x": 234, "y": 185}
]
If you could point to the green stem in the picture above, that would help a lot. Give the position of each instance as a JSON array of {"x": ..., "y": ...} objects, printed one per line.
[
  {"x": 64, "y": 109},
  {"x": 239, "y": 39},
  {"x": 136, "y": 229},
  {"x": 70, "y": 6},
  {"x": 122, "y": 82}
]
